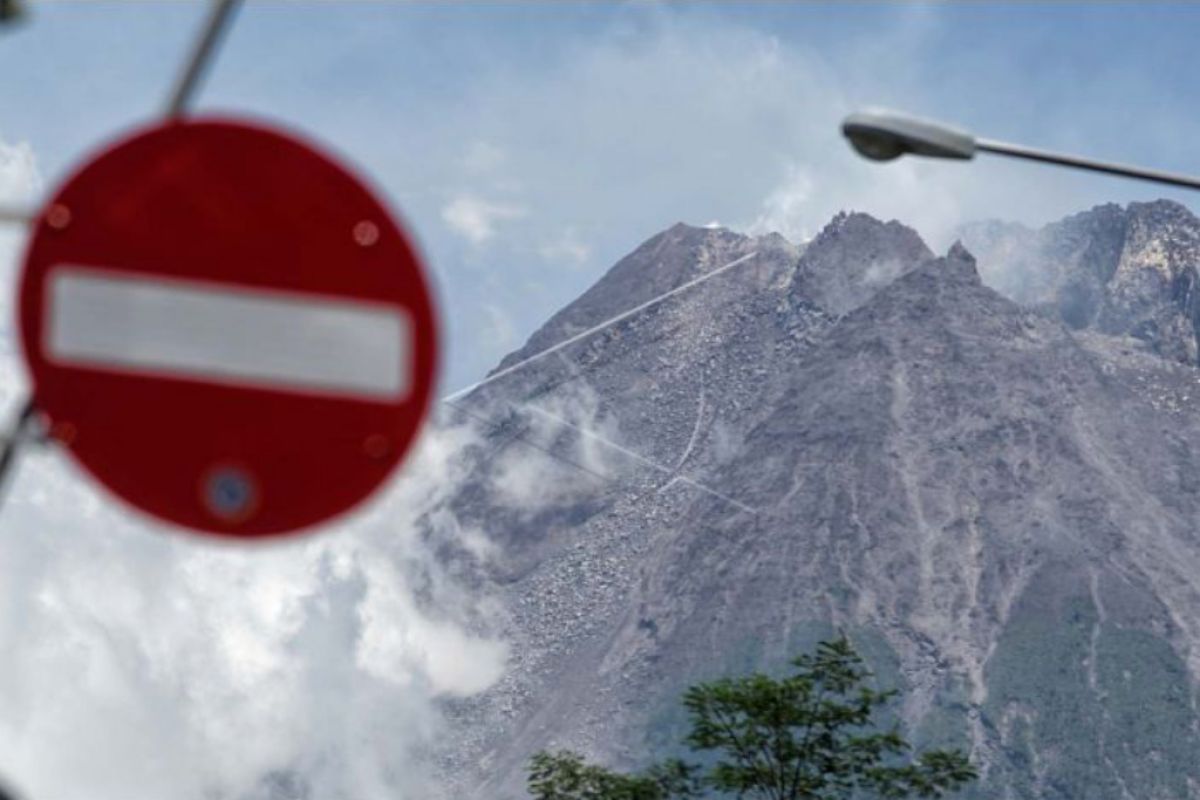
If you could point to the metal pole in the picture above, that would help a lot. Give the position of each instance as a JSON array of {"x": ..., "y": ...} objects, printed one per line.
[
  {"x": 16, "y": 437},
  {"x": 1046, "y": 157},
  {"x": 15, "y": 216},
  {"x": 217, "y": 23}
]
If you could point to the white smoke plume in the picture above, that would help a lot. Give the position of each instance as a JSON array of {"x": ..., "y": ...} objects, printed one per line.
[
  {"x": 564, "y": 449},
  {"x": 144, "y": 663}
]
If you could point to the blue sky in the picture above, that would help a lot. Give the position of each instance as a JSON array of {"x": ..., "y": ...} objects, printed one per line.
[{"x": 530, "y": 146}]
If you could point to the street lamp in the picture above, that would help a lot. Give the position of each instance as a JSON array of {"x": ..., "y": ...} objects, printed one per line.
[{"x": 885, "y": 135}]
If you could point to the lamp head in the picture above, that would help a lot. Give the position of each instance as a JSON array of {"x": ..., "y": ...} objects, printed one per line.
[
  {"x": 11, "y": 11},
  {"x": 885, "y": 135}
]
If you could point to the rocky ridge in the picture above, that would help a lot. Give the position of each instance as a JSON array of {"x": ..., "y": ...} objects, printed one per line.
[{"x": 1116, "y": 270}]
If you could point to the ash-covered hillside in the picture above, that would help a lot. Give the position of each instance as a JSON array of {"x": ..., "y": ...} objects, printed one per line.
[{"x": 998, "y": 501}]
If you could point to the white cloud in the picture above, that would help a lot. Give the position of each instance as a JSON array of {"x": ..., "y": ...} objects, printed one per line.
[
  {"x": 784, "y": 210},
  {"x": 142, "y": 663},
  {"x": 571, "y": 425},
  {"x": 475, "y": 219}
]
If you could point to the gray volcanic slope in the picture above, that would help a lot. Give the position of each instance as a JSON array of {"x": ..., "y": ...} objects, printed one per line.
[{"x": 999, "y": 508}]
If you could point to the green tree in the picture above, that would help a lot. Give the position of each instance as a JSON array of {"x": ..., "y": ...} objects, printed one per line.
[
  {"x": 810, "y": 736},
  {"x": 565, "y": 776}
]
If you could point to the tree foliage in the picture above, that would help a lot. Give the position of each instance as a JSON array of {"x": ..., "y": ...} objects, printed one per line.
[
  {"x": 565, "y": 776},
  {"x": 812, "y": 735}
]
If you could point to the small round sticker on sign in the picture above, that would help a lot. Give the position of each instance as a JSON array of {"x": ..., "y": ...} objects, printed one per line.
[
  {"x": 227, "y": 329},
  {"x": 230, "y": 494}
]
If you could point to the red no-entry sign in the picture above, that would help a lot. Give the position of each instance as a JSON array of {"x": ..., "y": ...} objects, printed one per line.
[{"x": 226, "y": 328}]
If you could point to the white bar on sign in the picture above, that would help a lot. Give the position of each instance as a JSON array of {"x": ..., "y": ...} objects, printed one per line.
[{"x": 229, "y": 335}]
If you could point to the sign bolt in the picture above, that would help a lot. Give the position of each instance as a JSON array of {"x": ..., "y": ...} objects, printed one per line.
[
  {"x": 58, "y": 216},
  {"x": 230, "y": 494},
  {"x": 366, "y": 233},
  {"x": 64, "y": 432},
  {"x": 377, "y": 446}
]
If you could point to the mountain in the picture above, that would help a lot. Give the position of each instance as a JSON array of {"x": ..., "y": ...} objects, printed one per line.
[{"x": 995, "y": 496}]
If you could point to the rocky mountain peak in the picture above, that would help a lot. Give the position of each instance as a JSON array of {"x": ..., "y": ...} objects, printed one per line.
[
  {"x": 959, "y": 253},
  {"x": 959, "y": 250},
  {"x": 866, "y": 232},
  {"x": 663, "y": 262},
  {"x": 1163, "y": 237},
  {"x": 1163, "y": 210},
  {"x": 852, "y": 258}
]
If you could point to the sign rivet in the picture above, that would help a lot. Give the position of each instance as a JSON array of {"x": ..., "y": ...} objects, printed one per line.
[
  {"x": 366, "y": 233},
  {"x": 377, "y": 446},
  {"x": 229, "y": 494},
  {"x": 64, "y": 431},
  {"x": 58, "y": 216}
]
